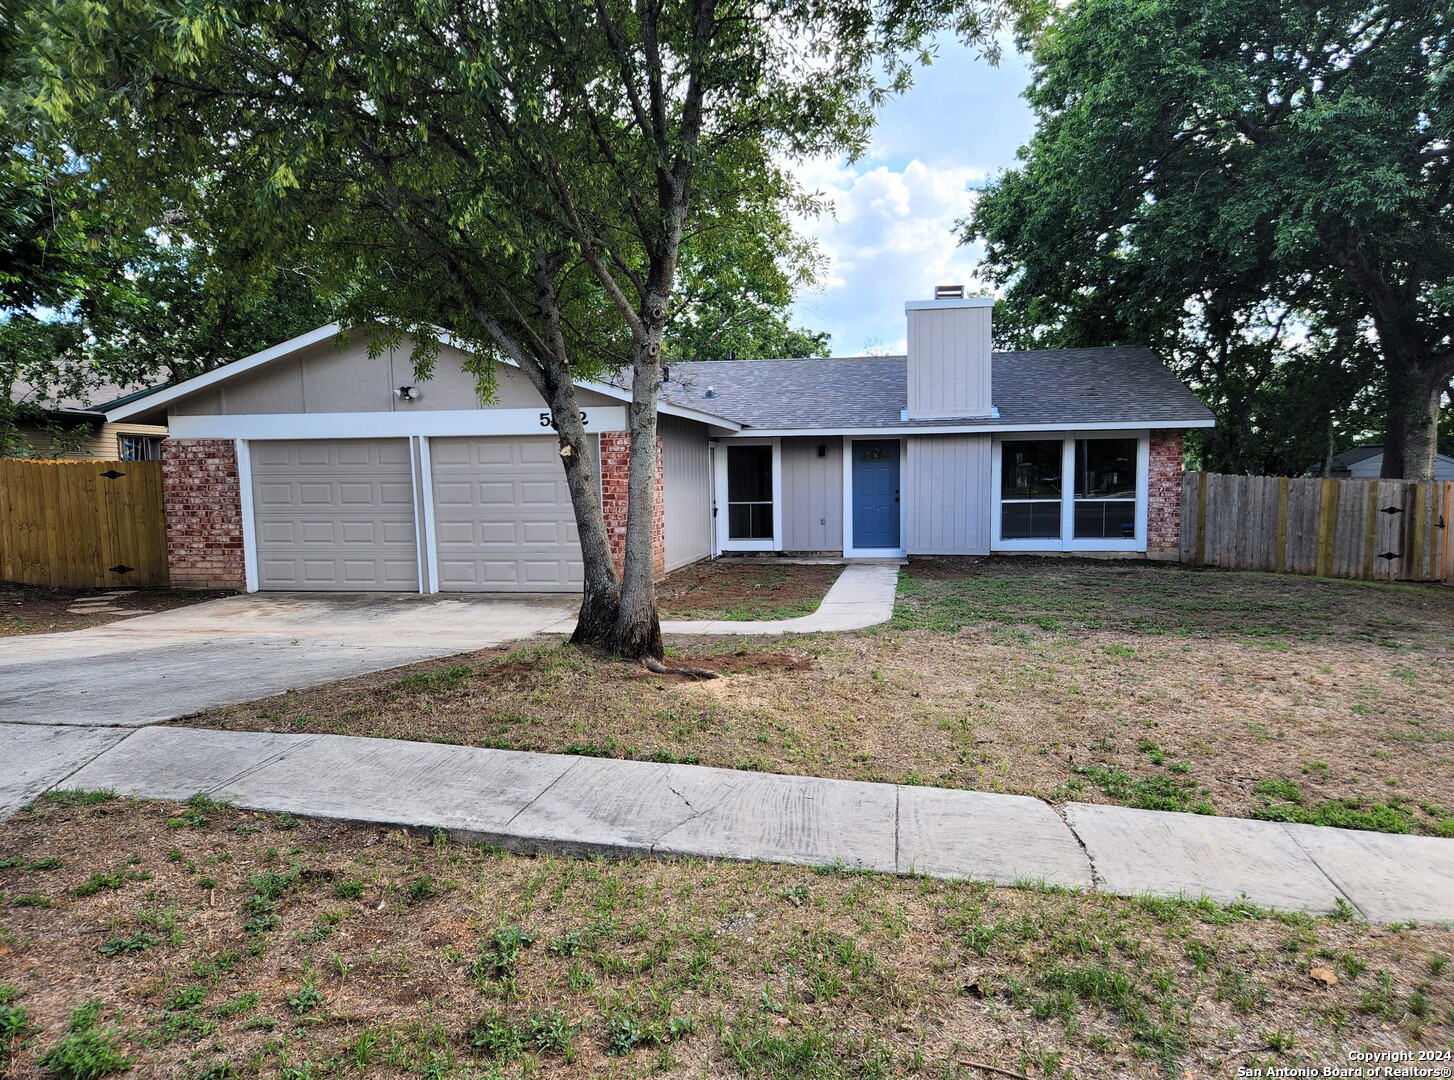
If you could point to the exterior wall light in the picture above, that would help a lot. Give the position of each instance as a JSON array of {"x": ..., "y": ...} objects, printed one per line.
[{"x": 408, "y": 393}]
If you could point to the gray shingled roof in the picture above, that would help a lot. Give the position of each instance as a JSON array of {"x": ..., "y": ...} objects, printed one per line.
[{"x": 1059, "y": 386}]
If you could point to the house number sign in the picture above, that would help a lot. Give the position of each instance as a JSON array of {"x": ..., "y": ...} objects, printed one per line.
[{"x": 546, "y": 421}]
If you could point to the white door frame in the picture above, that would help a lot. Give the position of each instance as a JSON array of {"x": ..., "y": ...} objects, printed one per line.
[
  {"x": 724, "y": 542},
  {"x": 249, "y": 517},
  {"x": 849, "y": 551}
]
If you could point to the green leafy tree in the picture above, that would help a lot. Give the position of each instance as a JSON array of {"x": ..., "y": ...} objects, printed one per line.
[
  {"x": 525, "y": 173},
  {"x": 1253, "y": 183}
]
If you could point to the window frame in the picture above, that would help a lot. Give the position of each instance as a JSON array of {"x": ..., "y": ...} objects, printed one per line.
[{"x": 1067, "y": 540}]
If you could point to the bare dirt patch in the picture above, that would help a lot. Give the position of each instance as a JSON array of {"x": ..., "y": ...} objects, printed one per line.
[
  {"x": 39, "y": 609},
  {"x": 300, "y": 948},
  {"x": 757, "y": 589}
]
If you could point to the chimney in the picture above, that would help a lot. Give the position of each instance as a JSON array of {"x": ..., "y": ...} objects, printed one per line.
[{"x": 949, "y": 354}]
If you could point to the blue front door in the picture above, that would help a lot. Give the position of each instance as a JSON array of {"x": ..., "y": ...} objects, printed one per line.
[{"x": 876, "y": 494}]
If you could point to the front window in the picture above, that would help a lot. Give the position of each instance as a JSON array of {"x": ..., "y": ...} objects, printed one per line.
[
  {"x": 1030, "y": 490},
  {"x": 1105, "y": 489},
  {"x": 749, "y": 493}
]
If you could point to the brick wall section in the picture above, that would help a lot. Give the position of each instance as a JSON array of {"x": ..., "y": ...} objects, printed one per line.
[
  {"x": 615, "y": 473},
  {"x": 1163, "y": 504},
  {"x": 203, "y": 504}
]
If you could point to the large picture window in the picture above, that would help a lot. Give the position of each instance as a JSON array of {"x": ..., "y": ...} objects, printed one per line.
[
  {"x": 1105, "y": 489},
  {"x": 749, "y": 493},
  {"x": 1031, "y": 490},
  {"x": 1071, "y": 493}
]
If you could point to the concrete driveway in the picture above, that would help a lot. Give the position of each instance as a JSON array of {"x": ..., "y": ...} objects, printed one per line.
[{"x": 66, "y": 697}]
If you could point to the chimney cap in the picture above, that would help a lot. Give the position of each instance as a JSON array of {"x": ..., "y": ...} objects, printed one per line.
[{"x": 948, "y": 292}]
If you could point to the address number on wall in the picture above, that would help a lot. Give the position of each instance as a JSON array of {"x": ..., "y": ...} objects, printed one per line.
[{"x": 546, "y": 421}]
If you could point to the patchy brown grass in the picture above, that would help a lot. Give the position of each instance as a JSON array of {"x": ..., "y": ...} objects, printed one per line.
[
  {"x": 290, "y": 948},
  {"x": 1238, "y": 694},
  {"x": 40, "y": 609},
  {"x": 753, "y": 589}
]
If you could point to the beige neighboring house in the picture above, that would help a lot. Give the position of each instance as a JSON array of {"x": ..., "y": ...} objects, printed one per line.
[{"x": 101, "y": 440}]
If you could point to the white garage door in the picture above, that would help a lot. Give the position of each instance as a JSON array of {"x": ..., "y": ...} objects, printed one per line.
[
  {"x": 335, "y": 515},
  {"x": 502, "y": 516}
]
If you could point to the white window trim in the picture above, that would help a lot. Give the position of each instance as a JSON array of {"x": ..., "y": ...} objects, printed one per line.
[
  {"x": 1067, "y": 541},
  {"x": 849, "y": 551},
  {"x": 726, "y": 543},
  {"x": 249, "y": 518}
]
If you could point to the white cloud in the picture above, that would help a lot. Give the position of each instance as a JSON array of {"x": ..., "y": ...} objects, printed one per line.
[{"x": 891, "y": 237}]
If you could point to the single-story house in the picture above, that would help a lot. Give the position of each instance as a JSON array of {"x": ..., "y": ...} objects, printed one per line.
[
  {"x": 1366, "y": 463},
  {"x": 307, "y": 466},
  {"x": 84, "y": 432}
]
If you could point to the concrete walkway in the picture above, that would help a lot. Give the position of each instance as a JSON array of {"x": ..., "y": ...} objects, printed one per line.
[
  {"x": 547, "y": 802},
  {"x": 862, "y": 596}
]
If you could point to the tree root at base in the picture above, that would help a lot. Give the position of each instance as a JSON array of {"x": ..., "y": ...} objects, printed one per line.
[{"x": 652, "y": 664}]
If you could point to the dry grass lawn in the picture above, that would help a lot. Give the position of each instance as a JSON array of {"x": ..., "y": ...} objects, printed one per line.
[
  {"x": 204, "y": 942},
  {"x": 1156, "y": 686}
]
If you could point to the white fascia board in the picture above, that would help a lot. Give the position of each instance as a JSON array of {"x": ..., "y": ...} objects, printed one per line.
[
  {"x": 949, "y": 302},
  {"x": 974, "y": 429},
  {"x": 441, "y": 424},
  {"x": 222, "y": 374}
]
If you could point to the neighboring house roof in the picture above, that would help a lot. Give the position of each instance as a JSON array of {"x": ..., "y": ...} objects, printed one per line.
[
  {"x": 1046, "y": 388},
  {"x": 1367, "y": 461},
  {"x": 93, "y": 404}
]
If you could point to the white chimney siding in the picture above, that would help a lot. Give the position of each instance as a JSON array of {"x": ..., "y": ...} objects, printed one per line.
[{"x": 949, "y": 357}]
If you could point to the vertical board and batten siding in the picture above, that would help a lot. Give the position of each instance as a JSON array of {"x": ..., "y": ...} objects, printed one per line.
[
  {"x": 947, "y": 485},
  {"x": 949, "y": 361},
  {"x": 812, "y": 494},
  {"x": 1376, "y": 530},
  {"x": 65, "y": 525},
  {"x": 686, "y": 491}
]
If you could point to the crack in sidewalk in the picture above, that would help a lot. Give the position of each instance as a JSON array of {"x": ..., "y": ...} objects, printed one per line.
[
  {"x": 564, "y": 773},
  {"x": 1327, "y": 876},
  {"x": 1097, "y": 882}
]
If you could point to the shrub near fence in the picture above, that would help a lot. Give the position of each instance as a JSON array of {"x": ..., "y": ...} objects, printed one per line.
[
  {"x": 1386, "y": 530},
  {"x": 82, "y": 524}
]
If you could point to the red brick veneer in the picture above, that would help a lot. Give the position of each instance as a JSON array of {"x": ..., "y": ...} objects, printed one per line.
[
  {"x": 203, "y": 504},
  {"x": 615, "y": 473},
  {"x": 1163, "y": 502}
]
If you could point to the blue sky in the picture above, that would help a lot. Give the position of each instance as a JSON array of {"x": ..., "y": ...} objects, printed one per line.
[{"x": 891, "y": 237}]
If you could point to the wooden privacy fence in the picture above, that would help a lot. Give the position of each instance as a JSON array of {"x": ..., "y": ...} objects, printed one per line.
[
  {"x": 1386, "y": 530},
  {"x": 82, "y": 524}
]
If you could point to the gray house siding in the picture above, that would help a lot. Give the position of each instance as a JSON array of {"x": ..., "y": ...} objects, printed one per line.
[
  {"x": 947, "y": 482},
  {"x": 686, "y": 491},
  {"x": 949, "y": 362},
  {"x": 323, "y": 379},
  {"x": 812, "y": 494}
]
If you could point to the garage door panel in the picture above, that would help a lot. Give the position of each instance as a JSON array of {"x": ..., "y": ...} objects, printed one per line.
[
  {"x": 503, "y": 516},
  {"x": 335, "y": 515}
]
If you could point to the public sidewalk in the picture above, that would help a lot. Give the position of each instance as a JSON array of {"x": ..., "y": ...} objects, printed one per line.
[
  {"x": 555, "y": 803},
  {"x": 862, "y": 596}
]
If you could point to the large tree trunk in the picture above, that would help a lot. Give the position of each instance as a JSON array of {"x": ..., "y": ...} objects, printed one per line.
[
  {"x": 600, "y": 597},
  {"x": 1411, "y": 443},
  {"x": 638, "y": 630}
]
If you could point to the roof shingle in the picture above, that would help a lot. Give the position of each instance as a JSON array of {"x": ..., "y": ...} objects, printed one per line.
[{"x": 1047, "y": 387}]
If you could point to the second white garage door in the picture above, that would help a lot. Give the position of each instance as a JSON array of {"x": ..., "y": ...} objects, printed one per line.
[
  {"x": 502, "y": 516},
  {"x": 335, "y": 515}
]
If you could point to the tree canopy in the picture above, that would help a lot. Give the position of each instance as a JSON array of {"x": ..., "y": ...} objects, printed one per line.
[{"x": 1263, "y": 191}]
